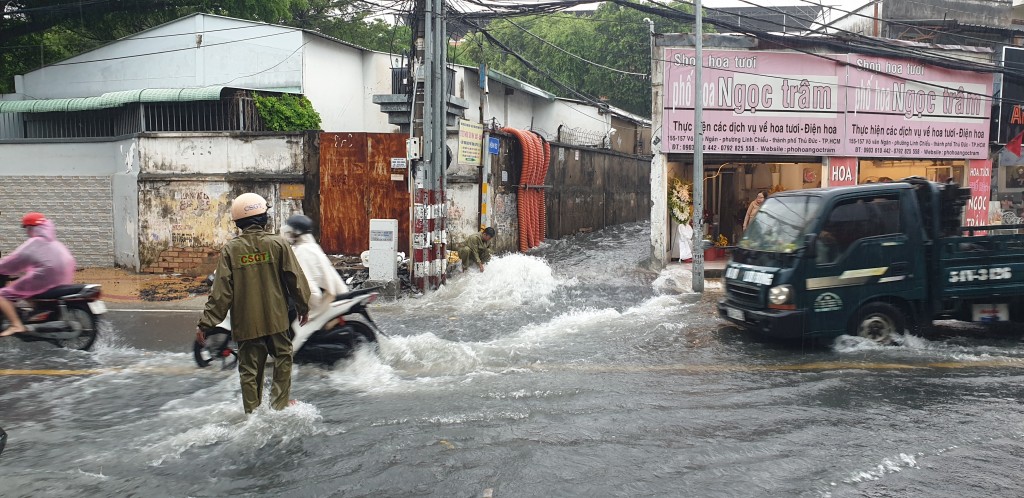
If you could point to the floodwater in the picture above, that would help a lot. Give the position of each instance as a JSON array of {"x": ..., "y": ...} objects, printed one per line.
[{"x": 570, "y": 371}]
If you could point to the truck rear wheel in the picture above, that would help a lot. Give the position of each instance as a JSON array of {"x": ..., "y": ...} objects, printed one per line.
[{"x": 880, "y": 322}]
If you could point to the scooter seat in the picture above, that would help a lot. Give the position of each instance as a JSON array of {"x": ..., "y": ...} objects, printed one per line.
[
  {"x": 357, "y": 292},
  {"x": 61, "y": 291}
]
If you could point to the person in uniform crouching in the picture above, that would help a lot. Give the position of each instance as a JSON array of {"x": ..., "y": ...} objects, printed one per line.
[
  {"x": 476, "y": 249},
  {"x": 257, "y": 276}
]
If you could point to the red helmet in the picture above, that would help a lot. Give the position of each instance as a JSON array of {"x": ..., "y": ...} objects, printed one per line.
[{"x": 32, "y": 219}]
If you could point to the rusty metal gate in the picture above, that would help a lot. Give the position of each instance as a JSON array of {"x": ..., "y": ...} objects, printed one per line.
[{"x": 357, "y": 184}]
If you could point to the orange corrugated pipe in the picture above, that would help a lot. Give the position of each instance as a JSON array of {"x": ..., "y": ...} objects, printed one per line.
[
  {"x": 522, "y": 205},
  {"x": 543, "y": 193},
  {"x": 531, "y": 196}
]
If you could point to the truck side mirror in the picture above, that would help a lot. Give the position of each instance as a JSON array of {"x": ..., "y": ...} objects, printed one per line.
[{"x": 811, "y": 245}]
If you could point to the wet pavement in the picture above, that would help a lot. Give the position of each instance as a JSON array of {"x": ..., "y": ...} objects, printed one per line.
[{"x": 570, "y": 371}]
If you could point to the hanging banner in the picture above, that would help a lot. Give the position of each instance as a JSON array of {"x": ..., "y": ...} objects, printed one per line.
[
  {"x": 784, "y": 103},
  {"x": 471, "y": 137},
  {"x": 979, "y": 179}
]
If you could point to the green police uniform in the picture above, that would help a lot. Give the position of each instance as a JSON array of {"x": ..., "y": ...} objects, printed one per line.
[
  {"x": 256, "y": 276},
  {"x": 475, "y": 250}
]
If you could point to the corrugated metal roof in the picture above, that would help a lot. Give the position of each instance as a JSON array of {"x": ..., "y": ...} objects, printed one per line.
[{"x": 113, "y": 99}]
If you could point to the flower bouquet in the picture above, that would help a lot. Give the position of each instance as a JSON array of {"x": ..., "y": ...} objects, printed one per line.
[{"x": 680, "y": 203}]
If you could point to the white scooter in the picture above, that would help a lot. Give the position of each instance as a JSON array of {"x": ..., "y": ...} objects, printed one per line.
[{"x": 324, "y": 339}]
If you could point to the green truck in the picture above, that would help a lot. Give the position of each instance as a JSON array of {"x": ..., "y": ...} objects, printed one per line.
[{"x": 871, "y": 260}]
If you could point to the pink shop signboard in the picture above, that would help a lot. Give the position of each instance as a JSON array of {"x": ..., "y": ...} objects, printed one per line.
[
  {"x": 902, "y": 108},
  {"x": 773, "y": 103},
  {"x": 783, "y": 103}
]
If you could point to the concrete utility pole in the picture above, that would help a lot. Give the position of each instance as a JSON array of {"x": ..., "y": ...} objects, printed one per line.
[
  {"x": 429, "y": 216},
  {"x": 698, "y": 152}
]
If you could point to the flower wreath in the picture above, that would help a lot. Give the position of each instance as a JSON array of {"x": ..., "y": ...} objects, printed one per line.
[{"x": 680, "y": 204}]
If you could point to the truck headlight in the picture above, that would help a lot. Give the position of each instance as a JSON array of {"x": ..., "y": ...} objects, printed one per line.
[{"x": 780, "y": 294}]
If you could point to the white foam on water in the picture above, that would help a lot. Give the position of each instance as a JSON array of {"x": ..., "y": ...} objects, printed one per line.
[
  {"x": 888, "y": 465},
  {"x": 676, "y": 279},
  {"x": 225, "y": 424},
  {"x": 509, "y": 281},
  {"x": 909, "y": 344},
  {"x": 406, "y": 362}
]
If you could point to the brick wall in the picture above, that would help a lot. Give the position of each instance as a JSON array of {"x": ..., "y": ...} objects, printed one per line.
[
  {"x": 185, "y": 260},
  {"x": 80, "y": 206}
]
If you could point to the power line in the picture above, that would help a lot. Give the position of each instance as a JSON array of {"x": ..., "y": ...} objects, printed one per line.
[
  {"x": 168, "y": 51},
  {"x": 859, "y": 36},
  {"x": 531, "y": 66},
  {"x": 560, "y": 49},
  {"x": 871, "y": 48}
]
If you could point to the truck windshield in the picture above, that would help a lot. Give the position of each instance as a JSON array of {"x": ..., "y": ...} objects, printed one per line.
[{"x": 780, "y": 224}]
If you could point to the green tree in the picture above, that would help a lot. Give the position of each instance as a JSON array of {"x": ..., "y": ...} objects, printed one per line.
[
  {"x": 351, "y": 21},
  {"x": 287, "y": 113},
  {"x": 612, "y": 36}
]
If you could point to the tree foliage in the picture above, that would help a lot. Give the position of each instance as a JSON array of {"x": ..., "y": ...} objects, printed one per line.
[
  {"x": 287, "y": 113},
  {"x": 39, "y": 32},
  {"x": 612, "y": 36}
]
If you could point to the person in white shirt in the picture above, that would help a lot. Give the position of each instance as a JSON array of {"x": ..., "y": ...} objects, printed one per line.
[{"x": 324, "y": 282}]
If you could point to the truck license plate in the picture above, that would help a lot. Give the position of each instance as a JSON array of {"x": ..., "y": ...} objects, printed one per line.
[{"x": 735, "y": 314}]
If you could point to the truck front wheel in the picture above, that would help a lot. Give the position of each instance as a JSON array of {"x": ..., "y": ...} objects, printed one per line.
[{"x": 880, "y": 322}]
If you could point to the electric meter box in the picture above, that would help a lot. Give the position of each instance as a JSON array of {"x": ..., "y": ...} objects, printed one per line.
[{"x": 383, "y": 250}]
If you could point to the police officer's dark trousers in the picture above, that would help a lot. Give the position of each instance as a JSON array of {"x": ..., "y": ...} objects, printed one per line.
[{"x": 252, "y": 358}]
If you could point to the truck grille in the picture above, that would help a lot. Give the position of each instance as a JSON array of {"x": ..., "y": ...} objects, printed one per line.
[{"x": 743, "y": 293}]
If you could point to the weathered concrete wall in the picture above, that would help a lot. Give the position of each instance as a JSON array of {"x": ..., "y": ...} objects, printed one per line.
[
  {"x": 187, "y": 183},
  {"x": 221, "y": 153},
  {"x": 75, "y": 184}
]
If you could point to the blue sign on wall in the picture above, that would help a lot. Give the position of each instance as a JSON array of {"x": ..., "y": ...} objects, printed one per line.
[{"x": 493, "y": 145}]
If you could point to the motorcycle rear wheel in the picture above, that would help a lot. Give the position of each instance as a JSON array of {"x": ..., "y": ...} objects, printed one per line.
[
  {"x": 218, "y": 346},
  {"x": 87, "y": 335}
]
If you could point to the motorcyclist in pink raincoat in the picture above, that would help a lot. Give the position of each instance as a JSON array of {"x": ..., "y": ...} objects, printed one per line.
[{"x": 44, "y": 263}]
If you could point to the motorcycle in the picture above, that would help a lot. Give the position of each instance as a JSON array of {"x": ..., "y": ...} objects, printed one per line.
[
  {"x": 330, "y": 337},
  {"x": 66, "y": 316}
]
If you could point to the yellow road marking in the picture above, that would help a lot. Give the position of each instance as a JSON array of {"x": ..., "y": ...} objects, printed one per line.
[
  {"x": 184, "y": 370},
  {"x": 821, "y": 366},
  {"x": 52, "y": 372}
]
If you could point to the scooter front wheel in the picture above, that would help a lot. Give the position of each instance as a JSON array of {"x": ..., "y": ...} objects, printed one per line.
[{"x": 218, "y": 346}]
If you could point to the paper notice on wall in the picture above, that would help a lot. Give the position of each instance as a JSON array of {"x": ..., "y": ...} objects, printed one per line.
[{"x": 471, "y": 137}]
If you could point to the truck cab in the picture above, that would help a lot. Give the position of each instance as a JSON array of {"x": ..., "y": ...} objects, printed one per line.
[{"x": 860, "y": 260}]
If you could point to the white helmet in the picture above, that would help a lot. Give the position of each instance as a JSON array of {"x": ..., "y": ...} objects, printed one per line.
[{"x": 248, "y": 204}]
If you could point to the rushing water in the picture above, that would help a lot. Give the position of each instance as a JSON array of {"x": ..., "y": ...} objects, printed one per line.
[{"x": 569, "y": 371}]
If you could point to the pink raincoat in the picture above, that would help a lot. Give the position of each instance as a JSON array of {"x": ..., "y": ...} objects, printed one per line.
[{"x": 43, "y": 260}]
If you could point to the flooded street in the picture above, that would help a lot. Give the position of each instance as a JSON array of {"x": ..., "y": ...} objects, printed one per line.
[{"x": 570, "y": 371}]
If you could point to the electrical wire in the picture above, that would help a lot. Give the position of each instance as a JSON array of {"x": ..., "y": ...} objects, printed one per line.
[
  {"x": 168, "y": 51},
  {"x": 496, "y": 10},
  {"x": 860, "y": 37},
  {"x": 899, "y": 23},
  {"x": 560, "y": 49}
]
